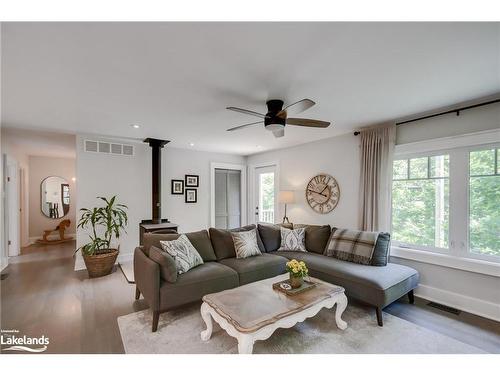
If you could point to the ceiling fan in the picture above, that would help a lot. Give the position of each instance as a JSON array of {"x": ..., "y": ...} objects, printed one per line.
[{"x": 277, "y": 117}]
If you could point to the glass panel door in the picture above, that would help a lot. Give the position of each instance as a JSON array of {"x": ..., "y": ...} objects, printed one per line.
[{"x": 265, "y": 194}]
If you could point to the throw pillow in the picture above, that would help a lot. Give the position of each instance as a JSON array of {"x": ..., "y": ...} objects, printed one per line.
[
  {"x": 222, "y": 241},
  {"x": 293, "y": 239},
  {"x": 245, "y": 244},
  {"x": 183, "y": 252},
  {"x": 381, "y": 252},
  {"x": 168, "y": 269}
]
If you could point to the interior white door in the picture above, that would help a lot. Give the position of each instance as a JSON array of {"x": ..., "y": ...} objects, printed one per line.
[
  {"x": 228, "y": 211},
  {"x": 265, "y": 194},
  {"x": 12, "y": 198}
]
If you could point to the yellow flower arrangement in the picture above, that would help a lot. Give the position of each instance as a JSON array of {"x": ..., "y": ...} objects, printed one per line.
[{"x": 296, "y": 268}]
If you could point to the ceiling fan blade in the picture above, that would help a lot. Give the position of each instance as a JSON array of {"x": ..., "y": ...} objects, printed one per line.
[
  {"x": 279, "y": 133},
  {"x": 307, "y": 122},
  {"x": 244, "y": 126},
  {"x": 246, "y": 111},
  {"x": 299, "y": 106}
]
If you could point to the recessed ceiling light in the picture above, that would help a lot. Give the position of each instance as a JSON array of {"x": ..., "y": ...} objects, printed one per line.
[
  {"x": 135, "y": 126},
  {"x": 191, "y": 144},
  {"x": 258, "y": 146}
]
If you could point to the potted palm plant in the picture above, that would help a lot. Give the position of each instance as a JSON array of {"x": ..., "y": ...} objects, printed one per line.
[{"x": 103, "y": 224}]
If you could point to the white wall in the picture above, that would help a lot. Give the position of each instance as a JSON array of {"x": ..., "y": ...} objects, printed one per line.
[
  {"x": 337, "y": 156},
  {"x": 109, "y": 175},
  {"x": 468, "y": 291},
  {"x": 175, "y": 164},
  {"x": 18, "y": 153},
  {"x": 130, "y": 179},
  {"x": 42, "y": 167},
  {"x": 472, "y": 120}
]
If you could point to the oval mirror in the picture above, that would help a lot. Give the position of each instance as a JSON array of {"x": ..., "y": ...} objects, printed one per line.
[{"x": 54, "y": 197}]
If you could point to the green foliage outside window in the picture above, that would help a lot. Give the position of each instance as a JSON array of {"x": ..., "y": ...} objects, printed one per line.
[
  {"x": 420, "y": 201},
  {"x": 420, "y": 208},
  {"x": 484, "y": 202},
  {"x": 267, "y": 186}
]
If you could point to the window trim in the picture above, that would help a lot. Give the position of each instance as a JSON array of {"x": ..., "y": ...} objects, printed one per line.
[{"x": 452, "y": 146}]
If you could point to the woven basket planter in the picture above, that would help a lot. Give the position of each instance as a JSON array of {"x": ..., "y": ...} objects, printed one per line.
[{"x": 102, "y": 263}]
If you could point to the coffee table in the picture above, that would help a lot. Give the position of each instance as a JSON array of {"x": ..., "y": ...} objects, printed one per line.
[{"x": 254, "y": 311}]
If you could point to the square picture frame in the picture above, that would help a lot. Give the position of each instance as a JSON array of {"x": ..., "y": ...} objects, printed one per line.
[
  {"x": 177, "y": 187},
  {"x": 191, "y": 195},
  {"x": 191, "y": 180}
]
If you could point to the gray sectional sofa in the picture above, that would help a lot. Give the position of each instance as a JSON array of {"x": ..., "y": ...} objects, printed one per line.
[{"x": 378, "y": 284}]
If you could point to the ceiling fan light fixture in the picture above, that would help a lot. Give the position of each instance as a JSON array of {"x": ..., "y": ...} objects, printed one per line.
[{"x": 275, "y": 127}]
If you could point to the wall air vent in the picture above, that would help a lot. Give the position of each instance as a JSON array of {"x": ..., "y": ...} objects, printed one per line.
[
  {"x": 128, "y": 150},
  {"x": 116, "y": 148},
  {"x": 104, "y": 147},
  {"x": 91, "y": 146},
  {"x": 108, "y": 148}
]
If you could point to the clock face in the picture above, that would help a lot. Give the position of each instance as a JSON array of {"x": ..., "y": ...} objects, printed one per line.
[{"x": 323, "y": 193}]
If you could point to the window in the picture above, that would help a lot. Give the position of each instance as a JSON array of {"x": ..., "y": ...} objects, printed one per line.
[
  {"x": 420, "y": 201},
  {"x": 448, "y": 201},
  {"x": 484, "y": 202},
  {"x": 266, "y": 197}
]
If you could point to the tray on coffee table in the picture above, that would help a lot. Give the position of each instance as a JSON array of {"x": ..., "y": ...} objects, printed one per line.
[{"x": 306, "y": 285}]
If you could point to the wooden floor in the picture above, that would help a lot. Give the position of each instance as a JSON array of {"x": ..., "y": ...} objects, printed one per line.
[{"x": 42, "y": 295}]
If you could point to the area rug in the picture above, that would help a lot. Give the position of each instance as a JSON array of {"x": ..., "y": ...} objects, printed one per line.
[{"x": 179, "y": 333}]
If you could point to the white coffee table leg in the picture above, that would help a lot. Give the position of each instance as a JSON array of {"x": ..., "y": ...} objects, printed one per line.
[
  {"x": 245, "y": 344},
  {"x": 341, "y": 306},
  {"x": 207, "y": 318}
]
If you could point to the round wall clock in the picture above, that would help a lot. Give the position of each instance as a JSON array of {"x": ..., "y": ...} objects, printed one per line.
[{"x": 323, "y": 193}]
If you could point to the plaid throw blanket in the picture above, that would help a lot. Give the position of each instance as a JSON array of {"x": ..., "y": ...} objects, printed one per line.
[{"x": 352, "y": 245}]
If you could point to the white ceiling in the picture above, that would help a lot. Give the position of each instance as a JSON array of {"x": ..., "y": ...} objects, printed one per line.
[
  {"x": 40, "y": 143},
  {"x": 175, "y": 79}
]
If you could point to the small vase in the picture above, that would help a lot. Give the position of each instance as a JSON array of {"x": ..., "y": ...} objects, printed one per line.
[{"x": 296, "y": 281}]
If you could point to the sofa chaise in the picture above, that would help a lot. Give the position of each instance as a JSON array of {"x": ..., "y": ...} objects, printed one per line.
[{"x": 378, "y": 284}]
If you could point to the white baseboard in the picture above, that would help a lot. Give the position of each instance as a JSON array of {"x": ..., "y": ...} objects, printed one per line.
[
  {"x": 4, "y": 262},
  {"x": 122, "y": 258},
  {"x": 469, "y": 304}
]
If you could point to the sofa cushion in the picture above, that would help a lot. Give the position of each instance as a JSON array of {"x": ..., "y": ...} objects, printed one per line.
[
  {"x": 378, "y": 286},
  {"x": 316, "y": 237},
  {"x": 200, "y": 241},
  {"x": 223, "y": 244},
  {"x": 271, "y": 235},
  {"x": 257, "y": 268},
  {"x": 168, "y": 270},
  {"x": 191, "y": 286},
  {"x": 380, "y": 255}
]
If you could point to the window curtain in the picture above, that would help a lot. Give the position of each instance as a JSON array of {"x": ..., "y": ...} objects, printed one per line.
[{"x": 377, "y": 150}]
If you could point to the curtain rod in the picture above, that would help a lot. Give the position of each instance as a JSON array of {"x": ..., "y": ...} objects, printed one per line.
[{"x": 457, "y": 111}]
